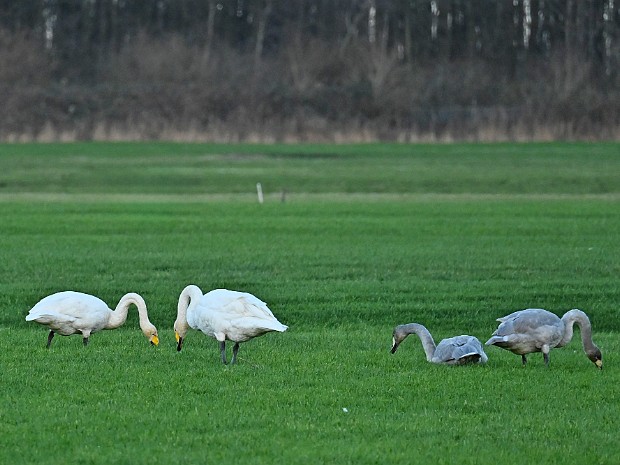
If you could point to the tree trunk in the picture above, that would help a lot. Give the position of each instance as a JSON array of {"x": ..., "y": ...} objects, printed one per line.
[
  {"x": 206, "y": 56},
  {"x": 260, "y": 32}
]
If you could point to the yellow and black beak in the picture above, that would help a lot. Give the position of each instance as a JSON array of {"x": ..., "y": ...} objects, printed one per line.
[
  {"x": 154, "y": 340},
  {"x": 179, "y": 341}
]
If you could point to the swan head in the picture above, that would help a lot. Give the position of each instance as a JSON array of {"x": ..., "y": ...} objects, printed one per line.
[
  {"x": 596, "y": 357},
  {"x": 397, "y": 337},
  {"x": 180, "y": 330},
  {"x": 188, "y": 298},
  {"x": 150, "y": 332}
]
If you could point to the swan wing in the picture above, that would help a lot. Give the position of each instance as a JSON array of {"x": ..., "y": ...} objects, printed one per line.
[
  {"x": 47, "y": 317},
  {"x": 243, "y": 329},
  {"x": 530, "y": 321},
  {"x": 233, "y": 304},
  {"x": 527, "y": 331},
  {"x": 459, "y": 350},
  {"x": 233, "y": 315},
  {"x": 68, "y": 312},
  {"x": 509, "y": 317},
  {"x": 236, "y": 303}
]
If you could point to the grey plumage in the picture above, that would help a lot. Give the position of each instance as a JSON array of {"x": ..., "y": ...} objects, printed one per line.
[
  {"x": 458, "y": 350},
  {"x": 537, "y": 330}
]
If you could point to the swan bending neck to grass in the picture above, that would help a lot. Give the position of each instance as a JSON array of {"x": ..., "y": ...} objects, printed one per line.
[
  {"x": 458, "y": 350},
  {"x": 537, "y": 330},
  {"x": 223, "y": 315},
  {"x": 70, "y": 312}
]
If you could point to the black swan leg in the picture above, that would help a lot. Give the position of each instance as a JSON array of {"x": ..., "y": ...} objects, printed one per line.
[
  {"x": 49, "y": 339},
  {"x": 235, "y": 350},
  {"x": 223, "y": 351}
]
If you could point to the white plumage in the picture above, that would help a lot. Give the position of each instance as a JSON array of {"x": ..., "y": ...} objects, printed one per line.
[
  {"x": 70, "y": 312},
  {"x": 223, "y": 315},
  {"x": 458, "y": 350}
]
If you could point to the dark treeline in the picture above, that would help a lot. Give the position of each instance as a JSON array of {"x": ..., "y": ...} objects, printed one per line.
[{"x": 310, "y": 69}]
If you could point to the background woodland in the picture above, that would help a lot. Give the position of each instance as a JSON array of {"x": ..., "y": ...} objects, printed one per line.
[{"x": 309, "y": 70}]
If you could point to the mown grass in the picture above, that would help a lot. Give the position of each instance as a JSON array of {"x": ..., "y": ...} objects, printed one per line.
[
  {"x": 341, "y": 271},
  {"x": 160, "y": 168}
]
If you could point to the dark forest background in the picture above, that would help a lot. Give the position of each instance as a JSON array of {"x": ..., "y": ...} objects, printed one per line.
[{"x": 309, "y": 70}]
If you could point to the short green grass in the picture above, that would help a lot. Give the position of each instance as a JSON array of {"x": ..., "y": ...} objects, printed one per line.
[
  {"x": 160, "y": 168},
  {"x": 463, "y": 234}
]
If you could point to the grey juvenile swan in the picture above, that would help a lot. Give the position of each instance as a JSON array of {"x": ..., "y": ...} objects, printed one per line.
[
  {"x": 537, "y": 330},
  {"x": 457, "y": 350}
]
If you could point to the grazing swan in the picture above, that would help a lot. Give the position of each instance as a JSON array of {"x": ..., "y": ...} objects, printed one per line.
[
  {"x": 223, "y": 314},
  {"x": 70, "y": 312},
  {"x": 537, "y": 330},
  {"x": 457, "y": 350}
]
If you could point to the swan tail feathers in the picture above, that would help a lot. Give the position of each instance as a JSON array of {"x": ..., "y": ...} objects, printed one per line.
[
  {"x": 48, "y": 317},
  {"x": 277, "y": 326},
  {"x": 496, "y": 341},
  {"x": 274, "y": 326},
  {"x": 473, "y": 357}
]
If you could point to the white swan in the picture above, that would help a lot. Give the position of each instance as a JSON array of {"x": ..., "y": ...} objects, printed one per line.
[
  {"x": 223, "y": 314},
  {"x": 70, "y": 312},
  {"x": 537, "y": 330},
  {"x": 457, "y": 350}
]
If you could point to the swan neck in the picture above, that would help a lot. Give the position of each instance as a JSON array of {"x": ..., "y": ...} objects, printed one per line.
[
  {"x": 585, "y": 328},
  {"x": 187, "y": 302},
  {"x": 425, "y": 336},
  {"x": 119, "y": 315}
]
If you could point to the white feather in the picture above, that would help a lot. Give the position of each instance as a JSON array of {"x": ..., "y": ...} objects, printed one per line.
[
  {"x": 70, "y": 312},
  {"x": 224, "y": 315}
]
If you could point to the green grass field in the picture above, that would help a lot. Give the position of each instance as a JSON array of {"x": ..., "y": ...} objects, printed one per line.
[{"x": 368, "y": 237}]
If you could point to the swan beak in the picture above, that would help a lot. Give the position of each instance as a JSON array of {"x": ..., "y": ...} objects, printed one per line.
[
  {"x": 179, "y": 341},
  {"x": 599, "y": 364},
  {"x": 394, "y": 346},
  {"x": 154, "y": 340}
]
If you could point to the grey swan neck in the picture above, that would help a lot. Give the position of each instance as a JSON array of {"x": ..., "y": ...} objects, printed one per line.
[
  {"x": 581, "y": 319},
  {"x": 425, "y": 336}
]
